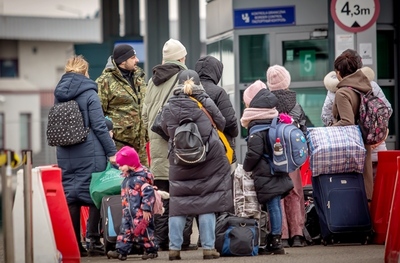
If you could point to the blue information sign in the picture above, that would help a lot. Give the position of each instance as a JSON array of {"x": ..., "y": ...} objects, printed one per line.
[{"x": 274, "y": 16}]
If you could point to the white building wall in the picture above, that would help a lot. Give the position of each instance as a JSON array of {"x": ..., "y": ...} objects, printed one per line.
[
  {"x": 28, "y": 103},
  {"x": 42, "y": 63}
]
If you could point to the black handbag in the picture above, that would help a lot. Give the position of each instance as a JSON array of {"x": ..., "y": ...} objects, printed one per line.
[{"x": 156, "y": 126}]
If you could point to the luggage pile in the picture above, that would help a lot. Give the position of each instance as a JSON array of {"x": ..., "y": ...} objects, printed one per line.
[
  {"x": 238, "y": 234},
  {"x": 337, "y": 156},
  {"x": 244, "y": 194}
]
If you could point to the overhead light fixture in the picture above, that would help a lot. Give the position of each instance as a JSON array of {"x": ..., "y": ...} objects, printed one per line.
[{"x": 319, "y": 33}]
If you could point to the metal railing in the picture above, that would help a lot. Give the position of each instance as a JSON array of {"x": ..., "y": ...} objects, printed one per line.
[{"x": 9, "y": 161}]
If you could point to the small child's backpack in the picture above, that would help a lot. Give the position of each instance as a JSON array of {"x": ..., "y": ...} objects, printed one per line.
[
  {"x": 187, "y": 145},
  {"x": 373, "y": 118},
  {"x": 65, "y": 125},
  {"x": 158, "y": 208},
  {"x": 294, "y": 150}
]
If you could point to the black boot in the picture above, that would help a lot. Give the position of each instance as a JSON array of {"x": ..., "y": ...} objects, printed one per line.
[
  {"x": 96, "y": 248},
  {"x": 83, "y": 252},
  {"x": 274, "y": 246}
]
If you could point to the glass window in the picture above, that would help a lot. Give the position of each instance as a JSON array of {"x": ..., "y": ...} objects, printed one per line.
[
  {"x": 306, "y": 60},
  {"x": 385, "y": 51},
  {"x": 389, "y": 94},
  {"x": 213, "y": 49},
  {"x": 25, "y": 130},
  {"x": 9, "y": 68},
  {"x": 223, "y": 51},
  {"x": 253, "y": 57},
  {"x": 312, "y": 100},
  {"x": 228, "y": 59},
  {"x": 2, "y": 125},
  {"x": 243, "y": 131}
]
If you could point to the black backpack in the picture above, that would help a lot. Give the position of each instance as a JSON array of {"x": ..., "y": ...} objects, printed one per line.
[
  {"x": 65, "y": 124},
  {"x": 236, "y": 236},
  {"x": 187, "y": 145}
]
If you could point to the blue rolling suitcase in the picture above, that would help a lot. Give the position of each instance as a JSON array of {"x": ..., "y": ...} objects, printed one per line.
[{"x": 342, "y": 208}]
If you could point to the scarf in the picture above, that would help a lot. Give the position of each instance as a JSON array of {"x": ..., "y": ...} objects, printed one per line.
[{"x": 250, "y": 114}]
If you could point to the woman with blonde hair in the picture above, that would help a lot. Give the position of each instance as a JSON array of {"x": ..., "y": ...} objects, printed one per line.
[
  {"x": 203, "y": 188},
  {"x": 79, "y": 161}
]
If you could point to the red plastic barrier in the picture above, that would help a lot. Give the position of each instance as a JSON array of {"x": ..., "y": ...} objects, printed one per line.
[
  {"x": 148, "y": 153},
  {"x": 59, "y": 214},
  {"x": 392, "y": 243},
  {"x": 84, "y": 218},
  {"x": 305, "y": 172},
  {"x": 383, "y": 192}
]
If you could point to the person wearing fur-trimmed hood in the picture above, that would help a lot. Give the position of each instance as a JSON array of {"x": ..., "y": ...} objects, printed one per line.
[{"x": 330, "y": 83}]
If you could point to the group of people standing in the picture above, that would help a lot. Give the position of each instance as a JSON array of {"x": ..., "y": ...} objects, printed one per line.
[
  {"x": 202, "y": 190},
  {"x": 121, "y": 94}
]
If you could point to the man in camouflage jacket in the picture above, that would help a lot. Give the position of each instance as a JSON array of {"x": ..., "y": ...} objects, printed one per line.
[{"x": 122, "y": 89}]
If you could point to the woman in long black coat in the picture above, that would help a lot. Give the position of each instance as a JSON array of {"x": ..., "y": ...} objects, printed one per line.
[{"x": 203, "y": 188}]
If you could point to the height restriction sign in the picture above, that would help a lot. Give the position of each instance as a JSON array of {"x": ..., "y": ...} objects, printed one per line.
[{"x": 355, "y": 15}]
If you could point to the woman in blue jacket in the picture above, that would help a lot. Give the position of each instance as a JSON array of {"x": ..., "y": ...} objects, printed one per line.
[{"x": 79, "y": 161}]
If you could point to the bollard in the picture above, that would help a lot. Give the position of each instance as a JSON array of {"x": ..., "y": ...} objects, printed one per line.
[
  {"x": 383, "y": 192},
  {"x": 392, "y": 242},
  {"x": 7, "y": 192},
  {"x": 28, "y": 206}
]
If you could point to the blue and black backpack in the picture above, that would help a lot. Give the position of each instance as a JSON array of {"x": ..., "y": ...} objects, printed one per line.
[{"x": 294, "y": 143}]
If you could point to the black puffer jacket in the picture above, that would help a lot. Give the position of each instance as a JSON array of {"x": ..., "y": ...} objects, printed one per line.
[
  {"x": 205, "y": 187},
  {"x": 210, "y": 71},
  {"x": 266, "y": 185}
]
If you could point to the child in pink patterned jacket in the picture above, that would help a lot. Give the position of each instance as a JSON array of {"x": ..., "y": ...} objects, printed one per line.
[{"x": 137, "y": 206}]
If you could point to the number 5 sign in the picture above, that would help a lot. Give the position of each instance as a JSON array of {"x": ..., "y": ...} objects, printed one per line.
[
  {"x": 307, "y": 63},
  {"x": 355, "y": 15}
]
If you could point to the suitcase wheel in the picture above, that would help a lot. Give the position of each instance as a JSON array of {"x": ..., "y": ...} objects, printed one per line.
[
  {"x": 326, "y": 242},
  {"x": 366, "y": 240}
]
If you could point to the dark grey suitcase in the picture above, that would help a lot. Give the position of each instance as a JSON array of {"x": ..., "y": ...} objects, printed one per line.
[
  {"x": 342, "y": 208},
  {"x": 111, "y": 217}
]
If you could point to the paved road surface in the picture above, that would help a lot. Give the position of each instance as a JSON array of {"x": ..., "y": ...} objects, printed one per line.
[
  {"x": 311, "y": 254},
  {"x": 350, "y": 253}
]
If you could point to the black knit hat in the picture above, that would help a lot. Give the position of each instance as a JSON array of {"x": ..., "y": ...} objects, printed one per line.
[
  {"x": 188, "y": 74},
  {"x": 122, "y": 53}
]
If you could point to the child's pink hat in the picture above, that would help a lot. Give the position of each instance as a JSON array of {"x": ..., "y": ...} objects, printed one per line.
[{"x": 127, "y": 156}]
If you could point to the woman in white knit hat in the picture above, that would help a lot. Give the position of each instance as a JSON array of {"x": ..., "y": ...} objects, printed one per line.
[
  {"x": 159, "y": 89},
  {"x": 293, "y": 213}
]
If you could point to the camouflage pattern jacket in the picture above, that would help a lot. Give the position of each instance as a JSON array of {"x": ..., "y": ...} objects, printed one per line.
[{"x": 123, "y": 104}]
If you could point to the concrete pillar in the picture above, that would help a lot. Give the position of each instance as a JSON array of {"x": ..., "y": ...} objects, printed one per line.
[
  {"x": 110, "y": 17},
  {"x": 157, "y": 32},
  {"x": 132, "y": 18},
  {"x": 189, "y": 29},
  {"x": 331, "y": 35},
  {"x": 396, "y": 17}
]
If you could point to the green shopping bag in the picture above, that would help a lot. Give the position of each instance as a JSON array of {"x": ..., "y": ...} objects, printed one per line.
[{"x": 107, "y": 182}]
